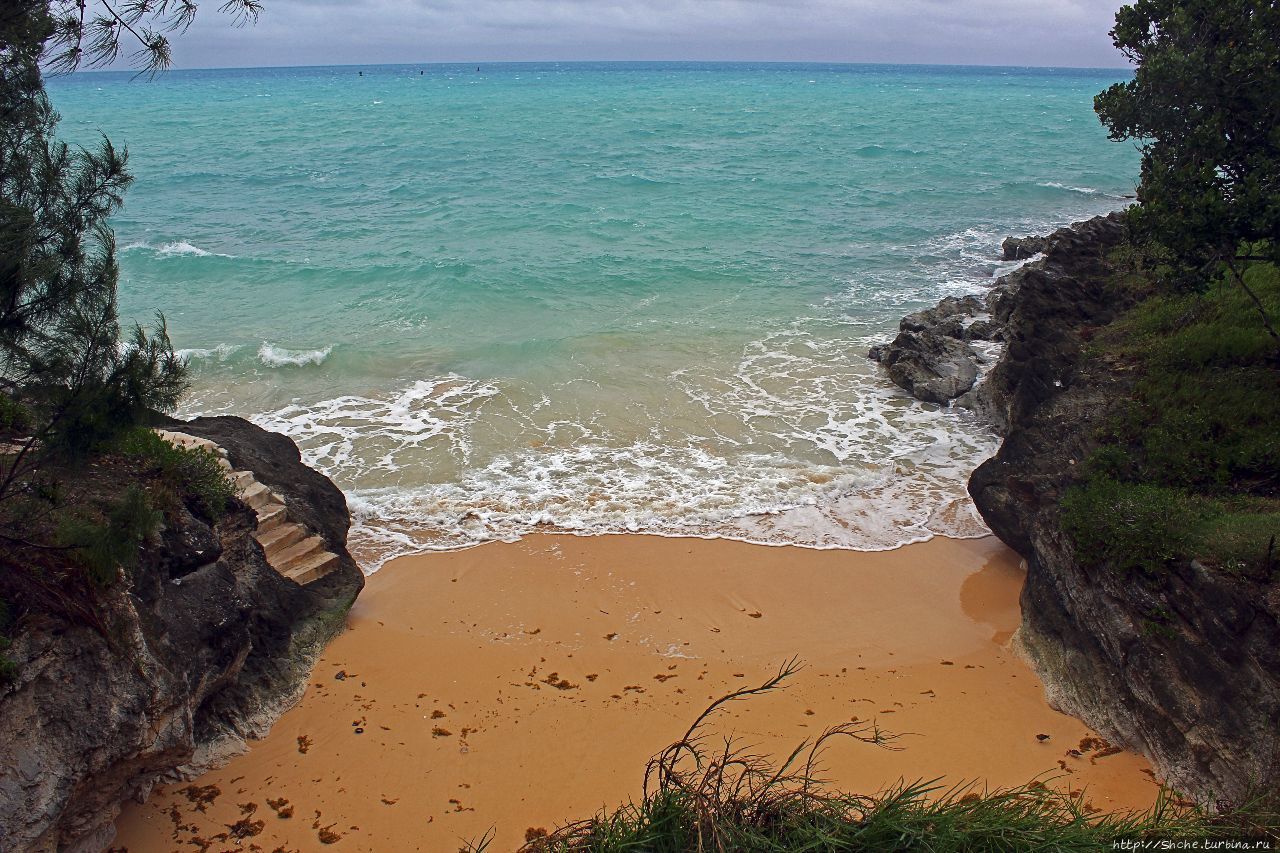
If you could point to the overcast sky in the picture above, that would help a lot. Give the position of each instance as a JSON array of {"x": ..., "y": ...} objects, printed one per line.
[{"x": 969, "y": 32}]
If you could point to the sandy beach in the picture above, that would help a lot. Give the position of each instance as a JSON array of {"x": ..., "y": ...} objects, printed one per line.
[{"x": 514, "y": 686}]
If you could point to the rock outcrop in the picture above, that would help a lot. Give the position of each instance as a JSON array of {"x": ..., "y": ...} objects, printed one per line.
[
  {"x": 1184, "y": 667},
  {"x": 931, "y": 358},
  {"x": 930, "y": 366},
  {"x": 1020, "y": 248},
  {"x": 209, "y": 645},
  {"x": 1045, "y": 310}
]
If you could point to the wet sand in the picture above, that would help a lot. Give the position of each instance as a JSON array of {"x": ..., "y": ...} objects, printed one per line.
[{"x": 522, "y": 685}]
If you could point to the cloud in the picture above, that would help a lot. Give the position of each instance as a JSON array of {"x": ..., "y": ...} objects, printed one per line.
[{"x": 986, "y": 32}]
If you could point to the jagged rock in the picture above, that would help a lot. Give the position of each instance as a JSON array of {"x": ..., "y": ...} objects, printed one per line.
[
  {"x": 1041, "y": 307},
  {"x": 984, "y": 329},
  {"x": 211, "y": 645},
  {"x": 930, "y": 357},
  {"x": 951, "y": 306},
  {"x": 187, "y": 546},
  {"x": 930, "y": 366},
  {"x": 1200, "y": 697},
  {"x": 1018, "y": 248}
]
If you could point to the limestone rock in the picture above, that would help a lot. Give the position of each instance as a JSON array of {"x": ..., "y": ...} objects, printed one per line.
[{"x": 951, "y": 306}]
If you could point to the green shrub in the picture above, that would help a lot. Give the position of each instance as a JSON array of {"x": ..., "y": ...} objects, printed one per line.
[
  {"x": 192, "y": 472},
  {"x": 15, "y": 419},
  {"x": 1128, "y": 526},
  {"x": 101, "y": 548},
  {"x": 702, "y": 793}
]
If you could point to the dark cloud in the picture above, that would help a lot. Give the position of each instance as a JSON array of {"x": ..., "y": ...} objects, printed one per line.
[{"x": 984, "y": 32}]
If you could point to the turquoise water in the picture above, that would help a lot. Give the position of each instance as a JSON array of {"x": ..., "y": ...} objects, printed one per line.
[{"x": 595, "y": 297}]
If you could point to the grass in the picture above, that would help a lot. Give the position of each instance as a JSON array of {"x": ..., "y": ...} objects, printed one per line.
[
  {"x": 701, "y": 795},
  {"x": 1190, "y": 467}
]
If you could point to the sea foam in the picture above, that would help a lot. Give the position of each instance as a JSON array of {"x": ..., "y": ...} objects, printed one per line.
[
  {"x": 792, "y": 452},
  {"x": 274, "y": 356}
]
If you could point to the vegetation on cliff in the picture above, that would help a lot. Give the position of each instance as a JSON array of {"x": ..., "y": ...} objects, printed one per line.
[
  {"x": 1203, "y": 104},
  {"x": 1191, "y": 467}
]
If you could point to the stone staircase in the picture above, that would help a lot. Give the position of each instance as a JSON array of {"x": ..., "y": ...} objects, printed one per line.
[{"x": 291, "y": 549}]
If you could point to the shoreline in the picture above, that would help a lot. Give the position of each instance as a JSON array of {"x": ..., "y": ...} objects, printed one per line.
[
  {"x": 363, "y": 559},
  {"x": 519, "y": 685}
]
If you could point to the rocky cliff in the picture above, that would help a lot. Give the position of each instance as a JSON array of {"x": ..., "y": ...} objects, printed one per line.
[
  {"x": 209, "y": 646},
  {"x": 1184, "y": 667}
]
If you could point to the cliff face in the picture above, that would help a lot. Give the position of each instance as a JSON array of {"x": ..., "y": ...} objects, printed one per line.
[
  {"x": 1184, "y": 667},
  {"x": 211, "y": 645}
]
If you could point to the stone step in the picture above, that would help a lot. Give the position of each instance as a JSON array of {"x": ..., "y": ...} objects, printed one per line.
[
  {"x": 313, "y": 568},
  {"x": 242, "y": 479},
  {"x": 298, "y": 550},
  {"x": 257, "y": 496},
  {"x": 182, "y": 439},
  {"x": 272, "y": 516},
  {"x": 281, "y": 537}
]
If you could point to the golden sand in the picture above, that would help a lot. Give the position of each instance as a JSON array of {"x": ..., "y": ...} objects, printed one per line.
[{"x": 523, "y": 685}]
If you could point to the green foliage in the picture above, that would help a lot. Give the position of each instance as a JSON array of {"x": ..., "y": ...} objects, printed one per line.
[
  {"x": 1203, "y": 102},
  {"x": 1128, "y": 526},
  {"x": 81, "y": 381},
  {"x": 1190, "y": 466},
  {"x": 15, "y": 418},
  {"x": 60, "y": 338},
  {"x": 191, "y": 472},
  {"x": 103, "y": 547},
  {"x": 1242, "y": 538},
  {"x": 917, "y": 816},
  {"x": 62, "y": 354},
  {"x": 98, "y": 39}
]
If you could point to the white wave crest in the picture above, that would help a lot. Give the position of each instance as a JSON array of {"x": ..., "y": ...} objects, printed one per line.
[
  {"x": 177, "y": 248},
  {"x": 1055, "y": 185},
  {"x": 221, "y": 352},
  {"x": 1086, "y": 191},
  {"x": 274, "y": 356}
]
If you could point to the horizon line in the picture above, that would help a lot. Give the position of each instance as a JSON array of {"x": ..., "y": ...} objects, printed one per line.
[{"x": 492, "y": 62}]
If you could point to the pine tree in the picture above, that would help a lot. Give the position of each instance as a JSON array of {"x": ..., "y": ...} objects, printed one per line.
[
  {"x": 71, "y": 381},
  {"x": 61, "y": 352}
]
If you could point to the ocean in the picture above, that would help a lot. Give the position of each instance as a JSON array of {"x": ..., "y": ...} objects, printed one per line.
[{"x": 610, "y": 297}]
